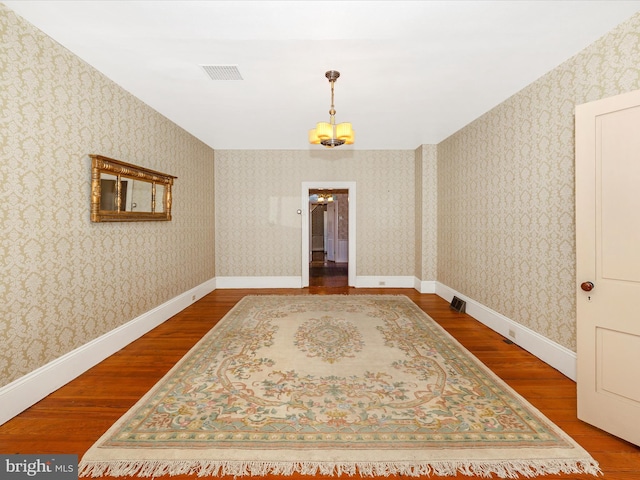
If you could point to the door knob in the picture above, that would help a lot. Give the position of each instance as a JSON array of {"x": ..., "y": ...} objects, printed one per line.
[{"x": 587, "y": 286}]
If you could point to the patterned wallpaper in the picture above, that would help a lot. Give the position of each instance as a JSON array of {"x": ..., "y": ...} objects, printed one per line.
[
  {"x": 488, "y": 212},
  {"x": 342, "y": 200},
  {"x": 258, "y": 192},
  {"x": 506, "y": 232},
  {"x": 65, "y": 280},
  {"x": 418, "y": 214},
  {"x": 426, "y": 212}
]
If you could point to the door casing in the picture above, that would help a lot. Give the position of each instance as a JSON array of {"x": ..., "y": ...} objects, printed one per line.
[{"x": 306, "y": 227}]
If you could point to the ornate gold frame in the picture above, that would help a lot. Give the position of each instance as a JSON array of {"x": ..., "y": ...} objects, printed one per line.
[{"x": 104, "y": 165}]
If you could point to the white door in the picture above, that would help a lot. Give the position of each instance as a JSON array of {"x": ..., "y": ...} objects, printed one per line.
[
  {"x": 608, "y": 264},
  {"x": 330, "y": 243}
]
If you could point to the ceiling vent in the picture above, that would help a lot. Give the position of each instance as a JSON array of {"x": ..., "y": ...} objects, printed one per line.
[{"x": 222, "y": 72}]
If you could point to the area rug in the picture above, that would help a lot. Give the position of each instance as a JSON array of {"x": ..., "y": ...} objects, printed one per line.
[{"x": 332, "y": 385}]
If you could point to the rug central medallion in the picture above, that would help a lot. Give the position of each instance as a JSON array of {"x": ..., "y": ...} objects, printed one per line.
[{"x": 329, "y": 338}]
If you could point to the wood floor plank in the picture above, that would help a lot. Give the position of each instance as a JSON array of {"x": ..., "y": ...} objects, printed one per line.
[{"x": 71, "y": 419}]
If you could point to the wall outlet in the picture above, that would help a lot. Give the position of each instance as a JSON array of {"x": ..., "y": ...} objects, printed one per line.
[
  {"x": 193, "y": 298},
  {"x": 382, "y": 282},
  {"x": 512, "y": 333}
]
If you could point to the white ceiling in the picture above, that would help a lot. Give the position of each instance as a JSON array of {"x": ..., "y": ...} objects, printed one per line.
[{"x": 412, "y": 72}]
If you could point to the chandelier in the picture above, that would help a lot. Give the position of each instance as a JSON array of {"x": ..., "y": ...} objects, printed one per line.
[
  {"x": 321, "y": 197},
  {"x": 329, "y": 134}
]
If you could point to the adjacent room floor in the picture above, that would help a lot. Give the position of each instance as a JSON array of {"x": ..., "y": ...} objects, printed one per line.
[{"x": 323, "y": 273}]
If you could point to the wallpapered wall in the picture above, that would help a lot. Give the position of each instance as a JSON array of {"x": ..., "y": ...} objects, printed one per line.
[
  {"x": 506, "y": 232},
  {"x": 66, "y": 281},
  {"x": 503, "y": 231},
  {"x": 426, "y": 212},
  {"x": 258, "y": 192},
  {"x": 342, "y": 200}
]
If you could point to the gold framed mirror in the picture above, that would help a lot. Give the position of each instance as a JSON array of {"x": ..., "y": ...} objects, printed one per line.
[{"x": 122, "y": 192}]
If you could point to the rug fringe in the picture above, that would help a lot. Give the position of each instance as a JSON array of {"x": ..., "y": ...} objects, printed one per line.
[{"x": 204, "y": 468}]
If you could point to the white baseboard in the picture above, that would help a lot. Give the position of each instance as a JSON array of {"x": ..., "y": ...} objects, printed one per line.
[
  {"x": 384, "y": 282},
  {"x": 559, "y": 357},
  {"x": 424, "y": 286},
  {"x": 296, "y": 282},
  {"x": 33, "y": 387},
  {"x": 258, "y": 282}
]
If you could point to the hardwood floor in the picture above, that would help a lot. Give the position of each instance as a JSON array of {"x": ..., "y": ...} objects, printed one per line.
[
  {"x": 71, "y": 419},
  {"x": 323, "y": 273}
]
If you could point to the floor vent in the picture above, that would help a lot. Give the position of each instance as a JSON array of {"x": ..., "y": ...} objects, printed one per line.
[{"x": 458, "y": 305}]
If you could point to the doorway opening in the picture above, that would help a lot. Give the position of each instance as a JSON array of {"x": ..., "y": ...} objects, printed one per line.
[
  {"x": 328, "y": 234},
  {"x": 329, "y": 220}
]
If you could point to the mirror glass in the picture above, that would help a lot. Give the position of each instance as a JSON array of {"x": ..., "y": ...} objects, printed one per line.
[
  {"x": 122, "y": 192},
  {"x": 159, "y": 198},
  {"x": 140, "y": 196},
  {"x": 109, "y": 194}
]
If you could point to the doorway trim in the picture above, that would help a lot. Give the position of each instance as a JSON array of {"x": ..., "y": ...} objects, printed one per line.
[{"x": 306, "y": 227}]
